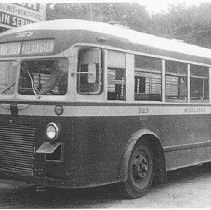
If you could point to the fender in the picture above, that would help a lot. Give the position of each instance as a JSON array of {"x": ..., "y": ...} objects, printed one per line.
[{"x": 129, "y": 148}]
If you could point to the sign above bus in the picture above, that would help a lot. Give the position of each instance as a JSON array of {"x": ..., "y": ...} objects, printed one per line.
[
  {"x": 14, "y": 15},
  {"x": 34, "y": 47}
]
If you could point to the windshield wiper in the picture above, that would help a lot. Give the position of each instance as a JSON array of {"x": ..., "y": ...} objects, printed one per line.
[
  {"x": 33, "y": 86},
  {"x": 7, "y": 88}
]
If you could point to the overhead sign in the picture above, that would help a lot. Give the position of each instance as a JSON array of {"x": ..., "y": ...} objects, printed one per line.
[
  {"x": 14, "y": 15},
  {"x": 7, "y": 49},
  {"x": 37, "y": 47},
  {"x": 34, "y": 47}
]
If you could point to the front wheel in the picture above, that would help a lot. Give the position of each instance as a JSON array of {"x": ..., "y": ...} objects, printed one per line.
[{"x": 140, "y": 172}]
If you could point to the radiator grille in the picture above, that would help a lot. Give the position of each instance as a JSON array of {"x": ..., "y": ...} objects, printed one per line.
[{"x": 16, "y": 148}]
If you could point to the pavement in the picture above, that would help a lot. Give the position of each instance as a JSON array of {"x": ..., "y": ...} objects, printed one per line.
[{"x": 189, "y": 188}]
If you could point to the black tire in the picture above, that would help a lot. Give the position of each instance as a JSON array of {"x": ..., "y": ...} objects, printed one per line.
[{"x": 140, "y": 172}]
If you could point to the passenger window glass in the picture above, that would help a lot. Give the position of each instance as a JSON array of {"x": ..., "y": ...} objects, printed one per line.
[
  {"x": 43, "y": 77},
  {"x": 199, "y": 83},
  {"x": 148, "y": 78},
  {"x": 116, "y": 76},
  {"x": 89, "y": 80},
  {"x": 176, "y": 81},
  {"x": 7, "y": 77}
]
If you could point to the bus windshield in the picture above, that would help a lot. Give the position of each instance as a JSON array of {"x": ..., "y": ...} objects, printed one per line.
[
  {"x": 43, "y": 77},
  {"x": 7, "y": 77}
]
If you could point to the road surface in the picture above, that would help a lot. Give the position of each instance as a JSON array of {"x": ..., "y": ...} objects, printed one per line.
[{"x": 185, "y": 188}]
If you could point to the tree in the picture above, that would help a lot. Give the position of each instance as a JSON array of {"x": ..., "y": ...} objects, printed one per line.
[
  {"x": 132, "y": 15},
  {"x": 191, "y": 24}
]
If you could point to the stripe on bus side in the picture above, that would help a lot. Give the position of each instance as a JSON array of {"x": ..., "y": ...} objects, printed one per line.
[
  {"x": 187, "y": 146},
  {"x": 108, "y": 110}
]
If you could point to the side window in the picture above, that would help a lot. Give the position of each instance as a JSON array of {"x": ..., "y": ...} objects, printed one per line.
[
  {"x": 89, "y": 80},
  {"x": 199, "y": 83},
  {"x": 116, "y": 76},
  {"x": 148, "y": 78},
  {"x": 176, "y": 81}
]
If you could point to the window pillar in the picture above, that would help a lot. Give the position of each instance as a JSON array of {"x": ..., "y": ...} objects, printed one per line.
[
  {"x": 163, "y": 80},
  {"x": 105, "y": 68},
  {"x": 188, "y": 83},
  {"x": 130, "y": 80},
  {"x": 209, "y": 85}
]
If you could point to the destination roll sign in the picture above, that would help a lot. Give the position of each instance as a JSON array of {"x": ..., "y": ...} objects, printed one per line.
[{"x": 35, "y": 47}]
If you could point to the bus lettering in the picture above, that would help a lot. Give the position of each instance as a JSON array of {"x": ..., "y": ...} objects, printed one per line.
[
  {"x": 143, "y": 110},
  {"x": 194, "y": 110}
]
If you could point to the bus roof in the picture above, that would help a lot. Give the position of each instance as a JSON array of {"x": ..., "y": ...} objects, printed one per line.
[{"x": 134, "y": 40}]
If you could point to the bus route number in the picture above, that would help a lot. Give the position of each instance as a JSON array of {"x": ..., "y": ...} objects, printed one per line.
[{"x": 143, "y": 110}]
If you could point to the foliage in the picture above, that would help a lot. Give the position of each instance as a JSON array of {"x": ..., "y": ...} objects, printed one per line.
[
  {"x": 129, "y": 14},
  {"x": 191, "y": 24}
]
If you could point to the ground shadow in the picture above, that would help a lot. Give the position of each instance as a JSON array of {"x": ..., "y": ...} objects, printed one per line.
[{"x": 29, "y": 197}]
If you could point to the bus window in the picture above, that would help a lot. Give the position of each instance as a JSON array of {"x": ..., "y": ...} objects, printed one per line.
[
  {"x": 148, "y": 78},
  {"x": 199, "y": 85},
  {"x": 176, "y": 81},
  {"x": 89, "y": 71},
  {"x": 46, "y": 77},
  {"x": 7, "y": 77},
  {"x": 116, "y": 76}
]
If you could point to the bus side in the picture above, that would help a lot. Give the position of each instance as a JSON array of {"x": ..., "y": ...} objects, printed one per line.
[{"x": 147, "y": 97}]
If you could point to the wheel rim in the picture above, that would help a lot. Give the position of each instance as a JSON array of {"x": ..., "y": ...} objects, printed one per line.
[{"x": 140, "y": 167}]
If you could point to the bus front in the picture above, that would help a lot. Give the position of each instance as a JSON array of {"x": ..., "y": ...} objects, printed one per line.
[{"x": 34, "y": 91}]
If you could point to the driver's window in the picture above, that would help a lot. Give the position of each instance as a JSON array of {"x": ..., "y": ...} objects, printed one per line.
[
  {"x": 7, "y": 77},
  {"x": 44, "y": 77}
]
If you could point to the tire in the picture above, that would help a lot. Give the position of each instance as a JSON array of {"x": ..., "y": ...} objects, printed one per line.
[{"x": 140, "y": 172}]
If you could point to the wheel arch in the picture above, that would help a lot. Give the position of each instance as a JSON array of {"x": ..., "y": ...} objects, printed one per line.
[{"x": 154, "y": 143}]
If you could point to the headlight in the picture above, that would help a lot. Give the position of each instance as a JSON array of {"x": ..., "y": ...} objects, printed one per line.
[{"x": 52, "y": 131}]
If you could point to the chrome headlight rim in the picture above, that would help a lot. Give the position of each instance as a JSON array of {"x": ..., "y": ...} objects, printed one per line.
[{"x": 57, "y": 130}]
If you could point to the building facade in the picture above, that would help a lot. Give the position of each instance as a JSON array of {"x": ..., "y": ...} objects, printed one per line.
[{"x": 18, "y": 14}]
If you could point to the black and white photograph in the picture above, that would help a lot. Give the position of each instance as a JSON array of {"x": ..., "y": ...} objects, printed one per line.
[{"x": 105, "y": 104}]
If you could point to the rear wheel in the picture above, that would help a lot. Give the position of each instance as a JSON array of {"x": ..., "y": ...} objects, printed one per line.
[{"x": 140, "y": 172}]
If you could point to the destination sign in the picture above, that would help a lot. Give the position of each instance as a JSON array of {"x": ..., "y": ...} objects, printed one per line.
[
  {"x": 7, "y": 49},
  {"x": 35, "y": 47}
]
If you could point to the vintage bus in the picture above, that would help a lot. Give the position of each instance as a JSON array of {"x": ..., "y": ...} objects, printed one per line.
[{"x": 85, "y": 104}]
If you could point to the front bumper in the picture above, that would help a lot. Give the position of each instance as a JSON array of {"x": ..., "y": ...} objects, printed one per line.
[{"x": 36, "y": 180}]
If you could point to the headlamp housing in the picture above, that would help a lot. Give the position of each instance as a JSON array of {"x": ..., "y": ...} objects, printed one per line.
[{"x": 52, "y": 131}]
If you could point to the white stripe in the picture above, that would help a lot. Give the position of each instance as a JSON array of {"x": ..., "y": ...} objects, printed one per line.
[{"x": 97, "y": 111}]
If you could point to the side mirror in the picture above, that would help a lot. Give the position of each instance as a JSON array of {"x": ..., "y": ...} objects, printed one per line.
[{"x": 92, "y": 73}]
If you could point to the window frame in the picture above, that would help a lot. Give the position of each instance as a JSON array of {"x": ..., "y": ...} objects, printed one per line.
[
  {"x": 110, "y": 66},
  {"x": 163, "y": 82},
  {"x": 100, "y": 79},
  {"x": 207, "y": 77},
  {"x": 39, "y": 59},
  {"x": 178, "y": 76},
  {"x": 153, "y": 71},
  {"x": 16, "y": 78}
]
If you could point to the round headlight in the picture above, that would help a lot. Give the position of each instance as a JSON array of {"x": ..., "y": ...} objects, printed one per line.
[{"x": 52, "y": 131}]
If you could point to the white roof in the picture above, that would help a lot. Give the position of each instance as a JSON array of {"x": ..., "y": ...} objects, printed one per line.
[{"x": 117, "y": 31}]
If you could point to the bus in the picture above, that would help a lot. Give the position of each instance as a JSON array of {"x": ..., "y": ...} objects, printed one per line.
[{"x": 85, "y": 104}]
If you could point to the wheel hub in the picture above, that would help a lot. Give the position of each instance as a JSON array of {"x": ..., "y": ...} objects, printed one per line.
[{"x": 140, "y": 166}]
